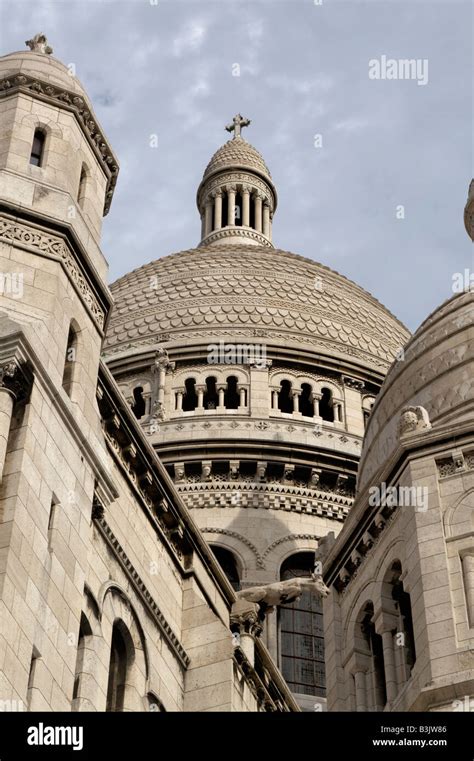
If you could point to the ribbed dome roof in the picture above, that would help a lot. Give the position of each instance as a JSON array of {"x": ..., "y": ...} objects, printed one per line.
[
  {"x": 437, "y": 373},
  {"x": 237, "y": 153},
  {"x": 242, "y": 293},
  {"x": 42, "y": 67}
]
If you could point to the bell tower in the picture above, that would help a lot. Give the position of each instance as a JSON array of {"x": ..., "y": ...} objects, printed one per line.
[
  {"x": 237, "y": 198},
  {"x": 57, "y": 175}
]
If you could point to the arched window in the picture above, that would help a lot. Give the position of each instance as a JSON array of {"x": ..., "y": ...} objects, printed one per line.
[
  {"x": 81, "y": 192},
  {"x": 302, "y": 633},
  {"x": 190, "y": 399},
  {"x": 238, "y": 208},
  {"x": 37, "y": 148},
  {"x": 84, "y": 632},
  {"x": 285, "y": 402},
  {"x": 231, "y": 395},
  {"x": 138, "y": 407},
  {"x": 305, "y": 404},
  {"x": 227, "y": 562},
  {"x": 121, "y": 652},
  {"x": 211, "y": 398},
  {"x": 406, "y": 643},
  {"x": 70, "y": 360},
  {"x": 225, "y": 206},
  {"x": 326, "y": 409},
  {"x": 374, "y": 646}
]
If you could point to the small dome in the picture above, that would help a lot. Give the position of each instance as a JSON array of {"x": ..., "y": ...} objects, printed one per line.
[
  {"x": 237, "y": 152},
  {"x": 436, "y": 373},
  {"x": 42, "y": 67},
  {"x": 236, "y": 292}
]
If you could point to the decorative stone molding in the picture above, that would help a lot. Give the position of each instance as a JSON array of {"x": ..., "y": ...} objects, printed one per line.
[
  {"x": 241, "y": 538},
  {"x": 69, "y": 101},
  {"x": 457, "y": 462},
  {"x": 245, "y": 618},
  {"x": 142, "y": 591},
  {"x": 238, "y": 231},
  {"x": 289, "y": 538},
  {"x": 32, "y": 239},
  {"x": 355, "y": 383}
]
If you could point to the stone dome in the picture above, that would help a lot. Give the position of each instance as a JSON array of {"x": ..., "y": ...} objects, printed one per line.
[
  {"x": 237, "y": 153},
  {"x": 244, "y": 293},
  {"x": 41, "y": 67},
  {"x": 436, "y": 373}
]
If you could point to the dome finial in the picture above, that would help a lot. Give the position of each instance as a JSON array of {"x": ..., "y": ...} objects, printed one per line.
[
  {"x": 39, "y": 44},
  {"x": 237, "y": 123}
]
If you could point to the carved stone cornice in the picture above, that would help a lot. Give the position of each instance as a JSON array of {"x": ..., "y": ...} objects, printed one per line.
[
  {"x": 38, "y": 241},
  {"x": 69, "y": 101},
  {"x": 244, "y": 179},
  {"x": 355, "y": 383},
  {"x": 238, "y": 231}
]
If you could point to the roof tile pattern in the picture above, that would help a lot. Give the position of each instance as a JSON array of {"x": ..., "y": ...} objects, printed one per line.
[
  {"x": 242, "y": 291},
  {"x": 237, "y": 152}
]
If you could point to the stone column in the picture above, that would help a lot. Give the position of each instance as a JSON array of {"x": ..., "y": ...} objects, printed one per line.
[
  {"x": 246, "y": 626},
  {"x": 13, "y": 386},
  {"x": 231, "y": 190},
  {"x": 274, "y": 399},
  {"x": 179, "y": 399},
  {"x": 246, "y": 205},
  {"x": 208, "y": 217},
  {"x": 200, "y": 390},
  {"x": 258, "y": 210},
  {"x": 221, "y": 392},
  {"x": 468, "y": 578},
  {"x": 266, "y": 219},
  {"x": 360, "y": 679},
  {"x": 218, "y": 210},
  {"x": 316, "y": 398},
  {"x": 241, "y": 397},
  {"x": 389, "y": 663},
  {"x": 295, "y": 395},
  {"x": 203, "y": 225}
]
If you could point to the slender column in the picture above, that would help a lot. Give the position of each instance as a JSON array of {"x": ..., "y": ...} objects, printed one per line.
[
  {"x": 389, "y": 663},
  {"x": 316, "y": 398},
  {"x": 258, "y": 210},
  {"x": 208, "y": 217},
  {"x": 231, "y": 190},
  {"x": 361, "y": 690},
  {"x": 221, "y": 391},
  {"x": 468, "y": 577},
  {"x": 203, "y": 225},
  {"x": 6, "y": 408},
  {"x": 200, "y": 392},
  {"x": 218, "y": 210},
  {"x": 266, "y": 219},
  {"x": 179, "y": 399},
  {"x": 242, "y": 396},
  {"x": 274, "y": 399},
  {"x": 245, "y": 205},
  {"x": 296, "y": 396}
]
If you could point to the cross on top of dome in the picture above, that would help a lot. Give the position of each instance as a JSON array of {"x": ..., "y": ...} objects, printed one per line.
[{"x": 237, "y": 123}]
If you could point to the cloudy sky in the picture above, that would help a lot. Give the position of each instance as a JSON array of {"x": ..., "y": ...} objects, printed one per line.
[{"x": 167, "y": 67}]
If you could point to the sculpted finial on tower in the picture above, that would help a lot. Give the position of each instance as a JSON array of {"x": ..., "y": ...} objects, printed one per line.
[
  {"x": 237, "y": 123},
  {"x": 39, "y": 44}
]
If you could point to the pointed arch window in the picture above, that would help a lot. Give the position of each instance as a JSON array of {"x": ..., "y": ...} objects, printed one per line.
[{"x": 37, "y": 148}]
